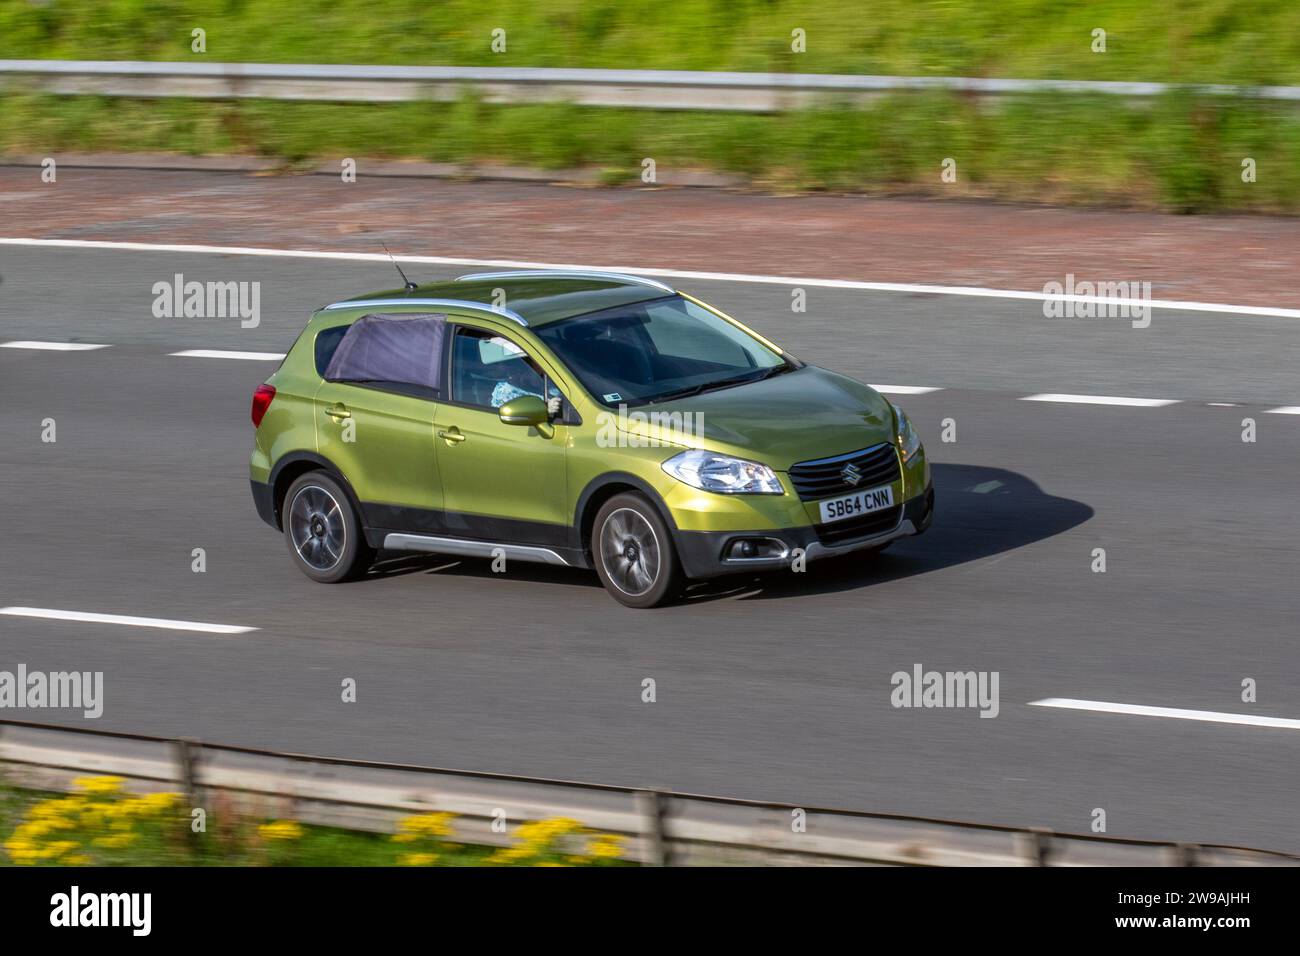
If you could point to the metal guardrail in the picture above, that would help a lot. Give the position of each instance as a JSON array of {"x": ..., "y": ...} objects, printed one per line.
[
  {"x": 650, "y": 89},
  {"x": 661, "y": 827}
]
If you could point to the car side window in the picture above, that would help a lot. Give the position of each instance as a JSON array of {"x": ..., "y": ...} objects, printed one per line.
[
  {"x": 488, "y": 370},
  {"x": 400, "y": 353}
]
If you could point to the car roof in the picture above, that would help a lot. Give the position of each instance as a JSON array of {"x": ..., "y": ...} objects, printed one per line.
[{"x": 533, "y": 297}]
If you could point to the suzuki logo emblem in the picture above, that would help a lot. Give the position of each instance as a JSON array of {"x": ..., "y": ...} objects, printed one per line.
[{"x": 850, "y": 474}]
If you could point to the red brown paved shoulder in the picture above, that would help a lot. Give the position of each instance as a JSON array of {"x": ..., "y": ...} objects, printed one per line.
[{"x": 1230, "y": 259}]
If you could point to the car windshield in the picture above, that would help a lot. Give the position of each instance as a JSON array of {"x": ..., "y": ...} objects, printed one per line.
[{"x": 658, "y": 350}]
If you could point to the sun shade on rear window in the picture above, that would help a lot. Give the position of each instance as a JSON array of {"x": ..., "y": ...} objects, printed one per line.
[{"x": 405, "y": 349}]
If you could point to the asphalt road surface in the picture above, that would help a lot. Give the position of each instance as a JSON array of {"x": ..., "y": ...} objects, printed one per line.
[{"x": 773, "y": 687}]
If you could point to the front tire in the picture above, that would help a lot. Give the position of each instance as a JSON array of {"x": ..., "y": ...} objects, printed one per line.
[
  {"x": 633, "y": 552},
  {"x": 323, "y": 531}
]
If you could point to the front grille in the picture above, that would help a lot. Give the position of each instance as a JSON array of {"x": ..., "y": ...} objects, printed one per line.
[
  {"x": 876, "y": 522},
  {"x": 824, "y": 477}
]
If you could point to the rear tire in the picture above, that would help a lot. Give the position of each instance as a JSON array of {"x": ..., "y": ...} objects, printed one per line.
[
  {"x": 633, "y": 552},
  {"x": 323, "y": 531}
]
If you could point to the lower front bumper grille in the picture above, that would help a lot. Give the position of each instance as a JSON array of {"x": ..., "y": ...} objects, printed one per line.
[{"x": 877, "y": 522}]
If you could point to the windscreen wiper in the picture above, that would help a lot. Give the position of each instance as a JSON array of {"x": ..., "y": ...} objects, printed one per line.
[
  {"x": 723, "y": 383},
  {"x": 679, "y": 393},
  {"x": 774, "y": 370}
]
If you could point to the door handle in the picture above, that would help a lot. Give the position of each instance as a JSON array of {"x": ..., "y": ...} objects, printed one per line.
[
  {"x": 338, "y": 411},
  {"x": 451, "y": 436}
]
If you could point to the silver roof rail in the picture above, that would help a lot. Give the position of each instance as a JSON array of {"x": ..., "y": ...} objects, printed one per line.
[
  {"x": 567, "y": 274},
  {"x": 444, "y": 303}
]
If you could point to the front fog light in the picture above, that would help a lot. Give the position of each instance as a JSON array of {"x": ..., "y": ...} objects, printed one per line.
[{"x": 751, "y": 549}]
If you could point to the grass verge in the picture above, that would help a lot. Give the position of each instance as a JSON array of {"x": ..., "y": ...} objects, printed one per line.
[{"x": 1180, "y": 152}]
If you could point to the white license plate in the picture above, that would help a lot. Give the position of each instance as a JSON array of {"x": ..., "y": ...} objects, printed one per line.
[{"x": 850, "y": 506}]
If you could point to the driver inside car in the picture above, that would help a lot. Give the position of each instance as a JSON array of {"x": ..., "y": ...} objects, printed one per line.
[{"x": 522, "y": 377}]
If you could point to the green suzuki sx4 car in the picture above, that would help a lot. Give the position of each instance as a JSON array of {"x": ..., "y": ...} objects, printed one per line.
[{"x": 588, "y": 420}]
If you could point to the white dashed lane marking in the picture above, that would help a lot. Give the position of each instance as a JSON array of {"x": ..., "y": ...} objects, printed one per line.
[
  {"x": 1284, "y": 410},
  {"x": 906, "y": 389},
  {"x": 1176, "y": 713},
  {"x": 53, "y": 346},
  {"x": 1101, "y": 400},
  {"x": 90, "y": 618},
  {"x": 224, "y": 354}
]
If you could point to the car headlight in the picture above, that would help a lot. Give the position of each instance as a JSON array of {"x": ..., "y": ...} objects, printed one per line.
[
  {"x": 909, "y": 440},
  {"x": 722, "y": 473}
]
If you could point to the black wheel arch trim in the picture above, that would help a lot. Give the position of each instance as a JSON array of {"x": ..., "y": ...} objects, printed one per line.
[
  {"x": 310, "y": 457},
  {"x": 619, "y": 478}
]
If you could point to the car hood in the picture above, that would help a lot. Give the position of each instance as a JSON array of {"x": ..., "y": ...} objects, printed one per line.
[{"x": 807, "y": 413}]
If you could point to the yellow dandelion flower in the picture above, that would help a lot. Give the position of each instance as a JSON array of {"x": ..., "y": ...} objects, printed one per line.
[
  {"x": 418, "y": 859},
  {"x": 35, "y": 829},
  {"x": 48, "y": 810},
  {"x": 158, "y": 802},
  {"x": 607, "y": 846},
  {"x": 427, "y": 824},
  {"x": 117, "y": 841},
  {"x": 280, "y": 830},
  {"x": 24, "y": 855},
  {"x": 99, "y": 786}
]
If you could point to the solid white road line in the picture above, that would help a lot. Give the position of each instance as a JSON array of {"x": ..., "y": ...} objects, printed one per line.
[
  {"x": 1140, "y": 710},
  {"x": 1283, "y": 410},
  {"x": 223, "y": 354},
  {"x": 53, "y": 346},
  {"x": 906, "y": 389},
  {"x": 913, "y": 288},
  {"x": 1101, "y": 400},
  {"x": 55, "y": 615}
]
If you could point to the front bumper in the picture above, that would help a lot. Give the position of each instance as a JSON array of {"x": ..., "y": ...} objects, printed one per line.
[{"x": 703, "y": 553}]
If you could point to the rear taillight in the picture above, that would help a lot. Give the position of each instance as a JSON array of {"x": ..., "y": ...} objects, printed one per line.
[{"x": 261, "y": 402}]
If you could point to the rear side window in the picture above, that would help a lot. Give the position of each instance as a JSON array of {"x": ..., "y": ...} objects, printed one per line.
[
  {"x": 327, "y": 343},
  {"x": 390, "y": 351}
]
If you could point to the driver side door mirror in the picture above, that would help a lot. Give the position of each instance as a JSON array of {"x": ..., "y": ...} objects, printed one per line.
[{"x": 524, "y": 410}]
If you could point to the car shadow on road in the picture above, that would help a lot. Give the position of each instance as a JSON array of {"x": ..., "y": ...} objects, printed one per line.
[{"x": 979, "y": 513}]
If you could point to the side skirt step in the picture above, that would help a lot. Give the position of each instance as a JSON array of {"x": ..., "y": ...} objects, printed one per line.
[{"x": 472, "y": 549}]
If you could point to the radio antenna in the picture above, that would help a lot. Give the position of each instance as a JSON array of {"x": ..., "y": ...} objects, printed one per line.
[{"x": 409, "y": 285}]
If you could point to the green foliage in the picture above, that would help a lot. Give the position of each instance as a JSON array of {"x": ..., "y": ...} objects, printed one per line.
[
  {"x": 1195, "y": 41},
  {"x": 1181, "y": 152}
]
